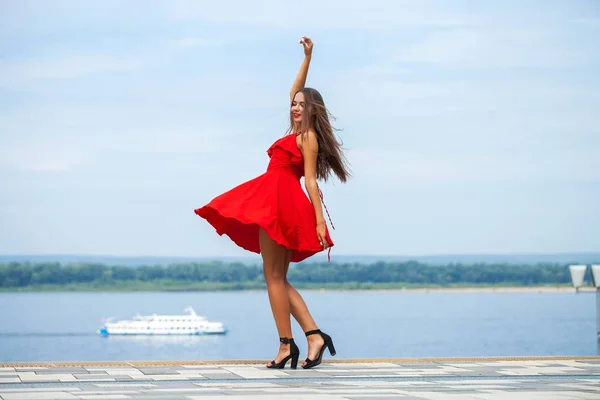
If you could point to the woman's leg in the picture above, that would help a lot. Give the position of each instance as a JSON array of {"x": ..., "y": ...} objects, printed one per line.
[
  {"x": 298, "y": 307},
  {"x": 273, "y": 256},
  {"x": 299, "y": 310}
]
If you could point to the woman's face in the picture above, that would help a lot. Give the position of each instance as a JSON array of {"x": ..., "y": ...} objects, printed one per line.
[{"x": 298, "y": 107}]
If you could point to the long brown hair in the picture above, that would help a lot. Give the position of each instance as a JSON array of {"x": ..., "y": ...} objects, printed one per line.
[{"x": 330, "y": 158}]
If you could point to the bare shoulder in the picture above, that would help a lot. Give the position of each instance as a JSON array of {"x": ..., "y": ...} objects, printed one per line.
[{"x": 308, "y": 141}]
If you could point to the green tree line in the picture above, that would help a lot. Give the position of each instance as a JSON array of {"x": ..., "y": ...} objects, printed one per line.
[{"x": 218, "y": 275}]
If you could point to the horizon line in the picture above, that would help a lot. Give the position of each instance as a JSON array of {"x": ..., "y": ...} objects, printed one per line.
[{"x": 582, "y": 252}]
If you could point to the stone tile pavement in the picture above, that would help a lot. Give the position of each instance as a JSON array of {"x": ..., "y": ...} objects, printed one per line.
[{"x": 515, "y": 378}]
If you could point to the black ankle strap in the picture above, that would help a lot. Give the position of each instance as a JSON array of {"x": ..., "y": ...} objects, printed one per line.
[
  {"x": 313, "y": 332},
  {"x": 285, "y": 340}
]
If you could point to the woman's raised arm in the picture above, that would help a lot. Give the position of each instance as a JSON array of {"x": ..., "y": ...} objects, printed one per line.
[{"x": 303, "y": 71}]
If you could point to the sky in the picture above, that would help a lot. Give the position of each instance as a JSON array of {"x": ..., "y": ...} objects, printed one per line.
[{"x": 471, "y": 127}]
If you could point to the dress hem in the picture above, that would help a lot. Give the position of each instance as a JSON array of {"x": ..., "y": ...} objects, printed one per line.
[{"x": 303, "y": 253}]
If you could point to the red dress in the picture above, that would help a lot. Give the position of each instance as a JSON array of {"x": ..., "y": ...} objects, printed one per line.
[{"x": 273, "y": 201}]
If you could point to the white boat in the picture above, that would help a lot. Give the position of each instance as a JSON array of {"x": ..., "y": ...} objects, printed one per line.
[{"x": 188, "y": 324}]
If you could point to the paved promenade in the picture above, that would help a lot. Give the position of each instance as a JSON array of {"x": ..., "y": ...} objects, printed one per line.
[{"x": 530, "y": 378}]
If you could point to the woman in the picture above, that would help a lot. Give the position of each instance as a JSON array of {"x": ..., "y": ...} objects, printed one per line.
[{"x": 271, "y": 214}]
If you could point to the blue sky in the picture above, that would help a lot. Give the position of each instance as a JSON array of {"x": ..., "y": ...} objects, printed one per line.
[{"x": 471, "y": 127}]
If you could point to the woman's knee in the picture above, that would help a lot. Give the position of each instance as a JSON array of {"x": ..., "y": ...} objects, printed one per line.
[
  {"x": 275, "y": 278},
  {"x": 274, "y": 274}
]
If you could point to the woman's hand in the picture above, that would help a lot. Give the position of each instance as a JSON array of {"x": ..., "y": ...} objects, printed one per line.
[
  {"x": 322, "y": 234},
  {"x": 308, "y": 45}
]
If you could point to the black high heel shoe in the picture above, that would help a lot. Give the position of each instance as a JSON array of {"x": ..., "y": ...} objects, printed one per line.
[
  {"x": 294, "y": 354},
  {"x": 328, "y": 343}
]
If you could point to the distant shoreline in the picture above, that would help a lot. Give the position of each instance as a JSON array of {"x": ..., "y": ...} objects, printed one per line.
[
  {"x": 508, "y": 289},
  {"x": 408, "y": 276},
  {"x": 456, "y": 289},
  {"x": 526, "y": 258}
]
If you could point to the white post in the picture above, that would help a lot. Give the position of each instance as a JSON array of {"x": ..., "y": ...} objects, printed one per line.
[
  {"x": 577, "y": 274},
  {"x": 598, "y": 320},
  {"x": 596, "y": 281}
]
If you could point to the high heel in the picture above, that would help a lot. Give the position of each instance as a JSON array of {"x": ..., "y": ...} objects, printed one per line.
[
  {"x": 328, "y": 343},
  {"x": 294, "y": 355}
]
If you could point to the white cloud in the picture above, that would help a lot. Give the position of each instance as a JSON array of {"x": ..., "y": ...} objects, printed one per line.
[
  {"x": 43, "y": 156},
  {"x": 64, "y": 64},
  {"x": 589, "y": 21},
  {"x": 196, "y": 42},
  {"x": 486, "y": 48},
  {"x": 17, "y": 73},
  {"x": 399, "y": 167},
  {"x": 313, "y": 14},
  {"x": 467, "y": 128},
  {"x": 65, "y": 136},
  {"x": 24, "y": 18}
]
